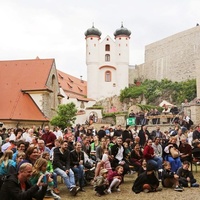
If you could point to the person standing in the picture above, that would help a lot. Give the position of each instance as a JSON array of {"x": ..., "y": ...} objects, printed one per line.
[
  {"x": 143, "y": 135},
  {"x": 101, "y": 133}
]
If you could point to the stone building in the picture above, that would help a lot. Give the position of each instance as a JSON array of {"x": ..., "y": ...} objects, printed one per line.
[
  {"x": 31, "y": 91},
  {"x": 107, "y": 63},
  {"x": 173, "y": 58},
  {"x": 109, "y": 70}
]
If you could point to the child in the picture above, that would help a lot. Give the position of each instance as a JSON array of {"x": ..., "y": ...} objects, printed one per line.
[
  {"x": 104, "y": 163},
  {"x": 143, "y": 168},
  {"x": 39, "y": 168},
  {"x": 169, "y": 178},
  {"x": 52, "y": 174},
  {"x": 101, "y": 183},
  {"x": 115, "y": 178},
  {"x": 6, "y": 162},
  {"x": 19, "y": 158},
  {"x": 186, "y": 177}
]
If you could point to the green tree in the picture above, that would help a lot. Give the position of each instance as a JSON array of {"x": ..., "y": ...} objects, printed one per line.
[{"x": 65, "y": 115}]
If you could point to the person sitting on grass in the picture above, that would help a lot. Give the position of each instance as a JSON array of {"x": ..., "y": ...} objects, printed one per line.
[
  {"x": 61, "y": 165},
  {"x": 143, "y": 168},
  {"x": 115, "y": 178},
  {"x": 51, "y": 172},
  {"x": 147, "y": 181},
  {"x": 186, "y": 178},
  {"x": 40, "y": 168},
  {"x": 17, "y": 186},
  {"x": 101, "y": 183},
  {"x": 169, "y": 178}
]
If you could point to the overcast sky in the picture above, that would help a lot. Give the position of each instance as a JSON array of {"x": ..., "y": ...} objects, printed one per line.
[{"x": 55, "y": 28}]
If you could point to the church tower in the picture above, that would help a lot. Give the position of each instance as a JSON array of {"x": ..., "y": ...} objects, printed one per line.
[{"x": 107, "y": 63}]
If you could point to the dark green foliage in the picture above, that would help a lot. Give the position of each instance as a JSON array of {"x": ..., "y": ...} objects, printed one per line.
[
  {"x": 153, "y": 89},
  {"x": 65, "y": 115},
  {"x": 132, "y": 92}
]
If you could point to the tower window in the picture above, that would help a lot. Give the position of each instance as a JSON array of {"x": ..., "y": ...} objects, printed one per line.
[
  {"x": 107, "y": 47},
  {"x": 107, "y": 76},
  {"x": 107, "y": 57}
]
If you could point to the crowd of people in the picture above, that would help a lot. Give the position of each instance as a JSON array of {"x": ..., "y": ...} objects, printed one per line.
[
  {"x": 168, "y": 115},
  {"x": 32, "y": 158}
]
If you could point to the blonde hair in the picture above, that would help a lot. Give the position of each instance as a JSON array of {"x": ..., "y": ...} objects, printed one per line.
[
  {"x": 6, "y": 157},
  {"x": 38, "y": 166},
  {"x": 21, "y": 154},
  {"x": 24, "y": 165}
]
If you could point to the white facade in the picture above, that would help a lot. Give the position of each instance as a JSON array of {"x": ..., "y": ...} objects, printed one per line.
[
  {"x": 107, "y": 65},
  {"x": 37, "y": 99}
]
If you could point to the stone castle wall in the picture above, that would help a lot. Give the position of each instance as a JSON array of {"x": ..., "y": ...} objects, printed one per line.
[{"x": 173, "y": 58}]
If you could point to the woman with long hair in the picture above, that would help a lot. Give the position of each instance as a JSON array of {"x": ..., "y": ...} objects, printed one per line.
[
  {"x": 6, "y": 162},
  {"x": 40, "y": 168}
]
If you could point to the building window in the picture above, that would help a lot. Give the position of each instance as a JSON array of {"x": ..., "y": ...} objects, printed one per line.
[
  {"x": 107, "y": 76},
  {"x": 107, "y": 57},
  {"x": 107, "y": 47},
  {"x": 53, "y": 100}
]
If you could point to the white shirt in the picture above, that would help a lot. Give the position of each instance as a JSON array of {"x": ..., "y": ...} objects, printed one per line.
[
  {"x": 190, "y": 138},
  {"x": 58, "y": 134},
  {"x": 12, "y": 137},
  {"x": 119, "y": 155}
]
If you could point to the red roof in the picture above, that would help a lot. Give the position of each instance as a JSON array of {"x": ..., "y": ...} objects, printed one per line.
[
  {"x": 73, "y": 87},
  {"x": 17, "y": 76}
]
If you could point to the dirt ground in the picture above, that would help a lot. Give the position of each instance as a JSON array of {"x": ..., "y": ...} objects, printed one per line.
[{"x": 127, "y": 194}]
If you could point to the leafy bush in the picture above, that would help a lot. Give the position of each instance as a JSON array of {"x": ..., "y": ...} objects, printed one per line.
[{"x": 153, "y": 89}]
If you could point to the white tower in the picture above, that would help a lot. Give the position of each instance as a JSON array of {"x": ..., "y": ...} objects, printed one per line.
[{"x": 107, "y": 63}]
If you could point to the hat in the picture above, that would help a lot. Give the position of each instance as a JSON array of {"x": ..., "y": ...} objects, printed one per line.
[
  {"x": 150, "y": 167},
  {"x": 103, "y": 171}
]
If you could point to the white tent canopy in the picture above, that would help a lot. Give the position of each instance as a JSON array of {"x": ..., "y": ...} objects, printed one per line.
[{"x": 165, "y": 103}]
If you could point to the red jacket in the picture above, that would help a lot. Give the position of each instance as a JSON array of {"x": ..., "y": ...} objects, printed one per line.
[{"x": 148, "y": 152}]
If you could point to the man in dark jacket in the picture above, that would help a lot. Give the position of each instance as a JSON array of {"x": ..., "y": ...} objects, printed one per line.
[
  {"x": 17, "y": 187},
  {"x": 61, "y": 165},
  {"x": 118, "y": 155}
]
